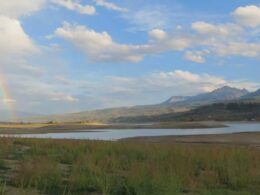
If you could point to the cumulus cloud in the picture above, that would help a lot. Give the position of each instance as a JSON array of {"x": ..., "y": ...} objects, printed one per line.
[
  {"x": 99, "y": 46},
  {"x": 27, "y": 68},
  {"x": 110, "y": 6},
  {"x": 63, "y": 97},
  {"x": 236, "y": 48},
  {"x": 224, "y": 39},
  {"x": 185, "y": 75},
  {"x": 15, "y": 9},
  {"x": 40, "y": 92},
  {"x": 14, "y": 42},
  {"x": 248, "y": 15},
  {"x": 13, "y": 39},
  {"x": 195, "y": 56},
  {"x": 158, "y": 34},
  {"x": 146, "y": 19},
  {"x": 75, "y": 6},
  {"x": 224, "y": 30},
  {"x": 185, "y": 78}
]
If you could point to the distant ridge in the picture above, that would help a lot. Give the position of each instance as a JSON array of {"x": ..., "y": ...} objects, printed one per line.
[
  {"x": 225, "y": 93},
  {"x": 174, "y": 104},
  {"x": 175, "y": 99},
  {"x": 253, "y": 95}
]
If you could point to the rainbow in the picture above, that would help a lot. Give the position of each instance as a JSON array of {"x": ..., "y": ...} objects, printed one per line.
[{"x": 6, "y": 100}]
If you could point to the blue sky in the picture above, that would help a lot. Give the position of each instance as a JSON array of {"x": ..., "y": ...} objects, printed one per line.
[{"x": 71, "y": 55}]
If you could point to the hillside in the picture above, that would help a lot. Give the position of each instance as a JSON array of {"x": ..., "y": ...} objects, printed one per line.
[
  {"x": 233, "y": 111},
  {"x": 219, "y": 95},
  {"x": 104, "y": 115},
  {"x": 173, "y": 106},
  {"x": 253, "y": 96}
]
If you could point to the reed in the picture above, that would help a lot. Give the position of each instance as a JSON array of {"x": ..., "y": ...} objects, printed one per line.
[{"x": 86, "y": 167}]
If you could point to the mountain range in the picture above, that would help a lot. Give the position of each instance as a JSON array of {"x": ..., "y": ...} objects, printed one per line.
[
  {"x": 221, "y": 94},
  {"x": 253, "y": 96},
  {"x": 175, "y": 104}
]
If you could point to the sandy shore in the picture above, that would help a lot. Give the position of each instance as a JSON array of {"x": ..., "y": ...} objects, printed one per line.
[
  {"x": 250, "y": 139},
  {"x": 35, "y": 128},
  {"x": 49, "y": 129}
]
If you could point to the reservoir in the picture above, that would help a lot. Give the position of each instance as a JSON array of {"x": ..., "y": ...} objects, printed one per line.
[{"x": 115, "y": 134}]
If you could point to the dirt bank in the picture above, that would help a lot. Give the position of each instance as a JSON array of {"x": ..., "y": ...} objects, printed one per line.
[{"x": 252, "y": 139}]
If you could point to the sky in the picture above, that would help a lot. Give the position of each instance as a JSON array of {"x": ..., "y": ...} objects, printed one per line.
[{"x": 61, "y": 56}]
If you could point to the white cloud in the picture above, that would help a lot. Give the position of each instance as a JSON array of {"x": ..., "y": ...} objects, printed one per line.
[
  {"x": 13, "y": 39},
  {"x": 15, "y": 9},
  {"x": 99, "y": 46},
  {"x": 63, "y": 97},
  {"x": 185, "y": 75},
  {"x": 248, "y": 15},
  {"x": 14, "y": 42},
  {"x": 63, "y": 80},
  {"x": 45, "y": 90},
  {"x": 9, "y": 101},
  {"x": 110, "y": 6},
  {"x": 75, "y": 6},
  {"x": 31, "y": 69},
  {"x": 149, "y": 18},
  {"x": 224, "y": 30},
  {"x": 195, "y": 56},
  {"x": 166, "y": 84},
  {"x": 236, "y": 48},
  {"x": 222, "y": 40},
  {"x": 158, "y": 34}
]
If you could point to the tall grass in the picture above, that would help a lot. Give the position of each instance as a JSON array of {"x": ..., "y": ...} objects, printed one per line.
[{"x": 85, "y": 167}]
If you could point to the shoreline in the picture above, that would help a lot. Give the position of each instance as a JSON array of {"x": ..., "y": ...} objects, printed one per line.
[
  {"x": 240, "y": 138},
  {"x": 243, "y": 139},
  {"x": 12, "y": 129}
]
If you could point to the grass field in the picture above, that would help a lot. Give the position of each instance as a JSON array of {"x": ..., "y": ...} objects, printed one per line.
[{"x": 31, "y": 166}]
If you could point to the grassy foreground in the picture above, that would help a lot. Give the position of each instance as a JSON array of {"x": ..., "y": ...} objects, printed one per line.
[{"x": 30, "y": 166}]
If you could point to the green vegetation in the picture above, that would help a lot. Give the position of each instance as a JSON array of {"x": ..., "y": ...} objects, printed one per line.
[
  {"x": 91, "y": 167},
  {"x": 232, "y": 111}
]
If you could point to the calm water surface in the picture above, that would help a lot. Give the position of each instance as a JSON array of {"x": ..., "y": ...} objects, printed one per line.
[{"x": 115, "y": 134}]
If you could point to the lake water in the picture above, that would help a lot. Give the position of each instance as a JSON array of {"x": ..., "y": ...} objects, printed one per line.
[{"x": 115, "y": 134}]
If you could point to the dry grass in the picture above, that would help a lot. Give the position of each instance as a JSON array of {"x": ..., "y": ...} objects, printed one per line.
[
  {"x": 90, "y": 167},
  {"x": 40, "y": 125}
]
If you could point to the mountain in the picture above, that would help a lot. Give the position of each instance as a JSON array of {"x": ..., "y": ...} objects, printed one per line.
[
  {"x": 254, "y": 95},
  {"x": 224, "y": 103},
  {"x": 104, "y": 115},
  {"x": 225, "y": 93},
  {"x": 221, "y": 94},
  {"x": 175, "y": 99},
  {"x": 229, "y": 111},
  {"x": 175, "y": 104}
]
